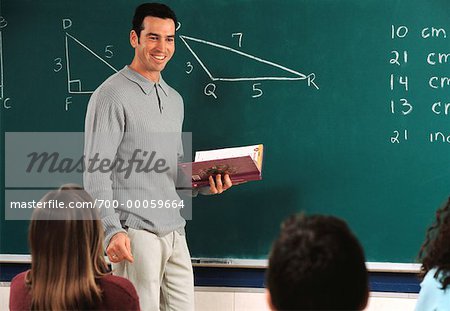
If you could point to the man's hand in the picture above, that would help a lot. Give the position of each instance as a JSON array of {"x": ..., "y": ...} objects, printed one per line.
[
  {"x": 119, "y": 248},
  {"x": 218, "y": 186}
]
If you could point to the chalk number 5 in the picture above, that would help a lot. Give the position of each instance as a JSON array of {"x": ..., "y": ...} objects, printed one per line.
[{"x": 258, "y": 91}]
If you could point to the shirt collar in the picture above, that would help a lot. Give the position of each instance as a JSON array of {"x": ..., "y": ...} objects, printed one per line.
[{"x": 146, "y": 85}]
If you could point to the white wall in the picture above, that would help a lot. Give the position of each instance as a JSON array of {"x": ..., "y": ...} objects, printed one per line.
[{"x": 225, "y": 299}]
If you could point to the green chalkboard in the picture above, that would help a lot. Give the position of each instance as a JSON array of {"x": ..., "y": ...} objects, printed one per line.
[{"x": 348, "y": 98}]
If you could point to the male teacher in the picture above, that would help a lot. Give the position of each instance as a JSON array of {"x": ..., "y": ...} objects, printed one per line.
[{"x": 147, "y": 246}]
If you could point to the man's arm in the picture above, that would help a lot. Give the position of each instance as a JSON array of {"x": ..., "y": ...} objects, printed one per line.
[{"x": 104, "y": 128}]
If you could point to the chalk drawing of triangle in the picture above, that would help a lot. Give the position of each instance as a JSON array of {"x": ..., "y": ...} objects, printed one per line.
[
  {"x": 86, "y": 70},
  {"x": 222, "y": 63}
]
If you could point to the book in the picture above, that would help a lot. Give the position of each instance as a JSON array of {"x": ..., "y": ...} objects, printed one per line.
[{"x": 242, "y": 164}]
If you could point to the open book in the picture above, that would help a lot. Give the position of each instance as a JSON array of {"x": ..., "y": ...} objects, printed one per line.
[{"x": 241, "y": 163}]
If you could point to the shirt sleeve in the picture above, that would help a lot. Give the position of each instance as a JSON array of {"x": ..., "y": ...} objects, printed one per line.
[{"x": 104, "y": 129}]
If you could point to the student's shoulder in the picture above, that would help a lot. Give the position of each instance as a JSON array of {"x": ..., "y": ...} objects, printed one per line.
[
  {"x": 118, "y": 294},
  {"x": 19, "y": 279},
  {"x": 19, "y": 294},
  {"x": 430, "y": 277},
  {"x": 114, "y": 283},
  {"x": 432, "y": 296},
  {"x": 431, "y": 285}
]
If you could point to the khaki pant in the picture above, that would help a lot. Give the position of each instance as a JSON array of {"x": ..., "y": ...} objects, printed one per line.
[{"x": 161, "y": 272}]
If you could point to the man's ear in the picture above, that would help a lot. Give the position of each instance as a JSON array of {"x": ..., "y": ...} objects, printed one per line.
[
  {"x": 134, "y": 39},
  {"x": 269, "y": 300}
]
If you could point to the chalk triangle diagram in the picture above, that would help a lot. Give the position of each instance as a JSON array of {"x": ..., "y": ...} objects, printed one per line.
[
  {"x": 223, "y": 63},
  {"x": 86, "y": 70},
  {"x": 1, "y": 66}
]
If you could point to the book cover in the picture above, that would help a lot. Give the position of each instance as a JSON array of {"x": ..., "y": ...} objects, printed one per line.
[{"x": 242, "y": 164}]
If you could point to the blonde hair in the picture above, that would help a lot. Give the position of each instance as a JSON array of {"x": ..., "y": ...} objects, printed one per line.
[{"x": 66, "y": 253}]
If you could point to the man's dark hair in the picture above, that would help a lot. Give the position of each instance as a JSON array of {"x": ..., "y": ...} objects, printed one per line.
[
  {"x": 317, "y": 264},
  {"x": 151, "y": 9}
]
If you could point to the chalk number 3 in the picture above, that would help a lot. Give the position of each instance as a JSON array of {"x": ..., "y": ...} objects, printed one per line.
[
  {"x": 189, "y": 67},
  {"x": 58, "y": 64}
]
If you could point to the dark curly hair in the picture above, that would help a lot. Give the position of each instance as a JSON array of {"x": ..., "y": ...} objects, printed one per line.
[
  {"x": 435, "y": 251},
  {"x": 317, "y": 264}
]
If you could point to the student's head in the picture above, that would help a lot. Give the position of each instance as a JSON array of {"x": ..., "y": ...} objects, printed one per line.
[
  {"x": 153, "y": 38},
  {"x": 66, "y": 251},
  {"x": 435, "y": 251},
  {"x": 316, "y": 263}
]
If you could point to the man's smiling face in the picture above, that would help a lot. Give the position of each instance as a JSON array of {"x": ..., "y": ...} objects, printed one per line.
[{"x": 154, "y": 48}]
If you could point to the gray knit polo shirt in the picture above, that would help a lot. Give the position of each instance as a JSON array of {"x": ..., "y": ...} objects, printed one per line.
[{"x": 126, "y": 115}]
